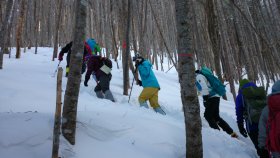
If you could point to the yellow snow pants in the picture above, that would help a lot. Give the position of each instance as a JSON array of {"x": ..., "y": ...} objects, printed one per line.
[{"x": 150, "y": 94}]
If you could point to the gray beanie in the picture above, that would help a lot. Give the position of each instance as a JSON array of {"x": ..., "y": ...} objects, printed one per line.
[{"x": 276, "y": 87}]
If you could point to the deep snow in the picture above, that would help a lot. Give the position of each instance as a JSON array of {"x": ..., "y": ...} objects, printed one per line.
[{"x": 104, "y": 129}]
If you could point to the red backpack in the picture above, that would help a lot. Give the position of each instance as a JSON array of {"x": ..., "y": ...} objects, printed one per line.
[
  {"x": 273, "y": 124},
  {"x": 87, "y": 52}
]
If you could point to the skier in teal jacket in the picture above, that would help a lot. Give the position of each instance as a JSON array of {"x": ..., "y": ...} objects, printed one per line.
[{"x": 149, "y": 83}]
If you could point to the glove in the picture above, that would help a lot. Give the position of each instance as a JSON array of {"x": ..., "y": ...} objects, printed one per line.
[
  {"x": 139, "y": 82},
  {"x": 85, "y": 83},
  {"x": 205, "y": 98},
  {"x": 136, "y": 64},
  {"x": 60, "y": 58},
  {"x": 139, "y": 61},
  {"x": 242, "y": 130}
]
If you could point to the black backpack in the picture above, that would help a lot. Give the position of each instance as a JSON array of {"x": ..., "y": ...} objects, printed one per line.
[
  {"x": 106, "y": 66},
  {"x": 106, "y": 61}
]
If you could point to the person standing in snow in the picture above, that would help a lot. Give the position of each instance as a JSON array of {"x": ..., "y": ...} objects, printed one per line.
[
  {"x": 251, "y": 127},
  {"x": 103, "y": 77},
  {"x": 87, "y": 53},
  {"x": 211, "y": 102},
  {"x": 266, "y": 118},
  {"x": 67, "y": 49},
  {"x": 149, "y": 83}
]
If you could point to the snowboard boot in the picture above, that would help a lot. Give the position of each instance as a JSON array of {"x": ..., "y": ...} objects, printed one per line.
[
  {"x": 99, "y": 94},
  {"x": 144, "y": 104},
  {"x": 109, "y": 95},
  {"x": 159, "y": 110}
]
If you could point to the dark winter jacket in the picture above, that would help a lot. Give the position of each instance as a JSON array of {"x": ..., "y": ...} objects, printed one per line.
[
  {"x": 68, "y": 48},
  {"x": 240, "y": 107},
  {"x": 93, "y": 66}
]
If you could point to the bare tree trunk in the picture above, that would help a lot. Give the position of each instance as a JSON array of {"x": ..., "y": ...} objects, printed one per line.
[
  {"x": 29, "y": 23},
  {"x": 5, "y": 26},
  {"x": 49, "y": 24},
  {"x": 37, "y": 22},
  {"x": 113, "y": 33},
  {"x": 161, "y": 61},
  {"x": 73, "y": 84},
  {"x": 1, "y": 6},
  {"x": 213, "y": 30},
  {"x": 143, "y": 28},
  {"x": 57, "y": 28},
  {"x": 20, "y": 27},
  {"x": 278, "y": 5},
  {"x": 127, "y": 53},
  {"x": 187, "y": 80},
  {"x": 161, "y": 33}
]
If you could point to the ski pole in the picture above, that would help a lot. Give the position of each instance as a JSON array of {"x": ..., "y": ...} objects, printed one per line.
[
  {"x": 169, "y": 68},
  {"x": 132, "y": 84},
  {"x": 56, "y": 69}
]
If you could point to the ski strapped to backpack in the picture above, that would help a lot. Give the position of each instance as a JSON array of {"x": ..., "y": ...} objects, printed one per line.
[
  {"x": 273, "y": 124},
  {"x": 217, "y": 86},
  {"x": 254, "y": 99},
  {"x": 107, "y": 65}
]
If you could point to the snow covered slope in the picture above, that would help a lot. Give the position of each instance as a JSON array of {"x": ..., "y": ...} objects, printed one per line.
[{"x": 104, "y": 129}]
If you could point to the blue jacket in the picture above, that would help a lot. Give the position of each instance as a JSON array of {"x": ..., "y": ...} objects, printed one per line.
[
  {"x": 147, "y": 75},
  {"x": 240, "y": 109}
]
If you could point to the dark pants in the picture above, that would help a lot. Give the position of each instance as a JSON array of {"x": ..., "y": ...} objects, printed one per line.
[
  {"x": 104, "y": 83},
  {"x": 212, "y": 115},
  {"x": 68, "y": 59},
  {"x": 84, "y": 65},
  {"x": 254, "y": 138}
]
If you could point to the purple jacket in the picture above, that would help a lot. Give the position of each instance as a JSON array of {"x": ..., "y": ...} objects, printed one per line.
[
  {"x": 240, "y": 109},
  {"x": 93, "y": 66}
]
